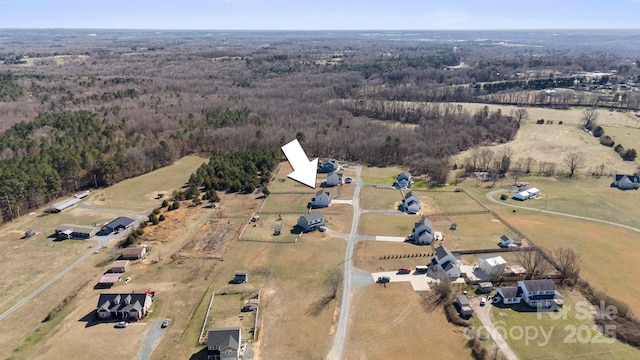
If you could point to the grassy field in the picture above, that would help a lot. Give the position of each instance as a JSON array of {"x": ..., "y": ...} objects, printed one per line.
[
  {"x": 263, "y": 228},
  {"x": 139, "y": 193},
  {"x": 550, "y": 142},
  {"x": 590, "y": 197},
  {"x": 379, "y": 199},
  {"x": 569, "y": 333},
  {"x": 386, "y": 225},
  {"x": 380, "y": 175},
  {"x": 453, "y": 201},
  {"x": 368, "y": 255},
  {"x": 476, "y": 232},
  {"x": 388, "y": 322}
]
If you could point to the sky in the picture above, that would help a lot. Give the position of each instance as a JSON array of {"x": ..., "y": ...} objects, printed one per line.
[{"x": 321, "y": 14}]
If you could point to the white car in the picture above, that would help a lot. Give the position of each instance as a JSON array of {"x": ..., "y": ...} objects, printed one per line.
[
  {"x": 121, "y": 324},
  {"x": 322, "y": 228},
  {"x": 483, "y": 301}
]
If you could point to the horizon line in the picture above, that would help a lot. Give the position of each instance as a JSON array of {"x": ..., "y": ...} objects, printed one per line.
[{"x": 317, "y": 30}]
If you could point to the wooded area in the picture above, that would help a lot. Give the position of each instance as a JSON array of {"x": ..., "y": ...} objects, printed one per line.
[{"x": 80, "y": 111}]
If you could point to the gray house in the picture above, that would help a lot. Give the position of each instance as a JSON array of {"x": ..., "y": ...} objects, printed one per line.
[
  {"x": 422, "y": 233},
  {"x": 334, "y": 179},
  {"x": 132, "y": 306},
  {"x": 411, "y": 204},
  {"x": 403, "y": 181},
  {"x": 224, "y": 344},
  {"x": 322, "y": 199},
  {"x": 311, "y": 221},
  {"x": 626, "y": 182},
  {"x": 328, "y": 166}
]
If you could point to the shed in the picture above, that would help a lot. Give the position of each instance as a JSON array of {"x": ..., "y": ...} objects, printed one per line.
[
  {"x": 240, "y": 277},
  {"x": 110, "y": 279},
  {"x": 63, "y": 205},
  {"x": 522, "y": 195},
  {"x": 462, "y": 302},
  {"x": 119, "y": 266},
  {"x": 133, "y": 253},
  {"x": 485, "y": 287},
  {"x": 533, "y": 192}
]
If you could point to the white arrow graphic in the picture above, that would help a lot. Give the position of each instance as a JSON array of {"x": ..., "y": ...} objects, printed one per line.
[{"x": 304, "y": 171}]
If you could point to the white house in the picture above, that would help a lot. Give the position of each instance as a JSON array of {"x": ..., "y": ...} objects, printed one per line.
[
  {"x": 422, "y": 233},
  {"x": 403, "y": 181},
  {"x": 311, "y": 221},
  {"x": 522, "y": 195},
  {"x": 444, "y": 261},
  {"x": 492, "y": 264},
  {"x": 540, "y": 294},
  {"x": 224, "y": 344},
  {"x": 410, "y": 203},
  {"x": 334, "y": 179},
  {"x": 322, "y": 199},
  {"x": 626, "y": 182},
  {"x": 506, "y": 241},
  {"x": 510, "y": 295},
  {"x": 533, "y": 192}
]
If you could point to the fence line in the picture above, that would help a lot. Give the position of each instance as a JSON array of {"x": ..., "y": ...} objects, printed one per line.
[
  {"x": 454, "y": 213},
  {"x": 206, "y": 317}
]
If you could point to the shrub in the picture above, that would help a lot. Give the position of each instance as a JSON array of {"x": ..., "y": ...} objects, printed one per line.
[
  {"x": 165, "y": 203},
  {"x": 154, "y": 220},
  {"x": 540, "y": 122},
  {"x": 156, "y": 211},
  {"x": 606, "y": 140},
  {"x": 560, "y": 122},
  {"x": 139, "y": 231},
  {"x": 598, "y": 131},
  {"x": 161, "y": 218},
  {"x": 175, "y": 205},
  {"x": 618, "y": 148},
  {"x": 629, "y": 155},
  {"x": 130, "y": 240}
]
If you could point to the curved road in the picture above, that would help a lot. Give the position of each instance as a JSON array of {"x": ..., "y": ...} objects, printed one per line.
[{"x": 490, "y": 194}]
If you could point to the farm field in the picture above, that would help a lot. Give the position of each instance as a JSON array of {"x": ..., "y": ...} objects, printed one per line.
[
  {"x": 139, "y": 193},
  {"x": 375, "y": 256},
  {"x": 549, "y": 142},
  {"x": 376, "y": 321},
  {"x": 586, "y": 342}
]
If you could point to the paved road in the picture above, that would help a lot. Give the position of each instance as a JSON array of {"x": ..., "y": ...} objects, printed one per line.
[
  {"x": 353, "y": 278},
  {"x": 489, "y": 196},
  {"x": 151, "y": 339},
  {"x": 484, "y": 315}
]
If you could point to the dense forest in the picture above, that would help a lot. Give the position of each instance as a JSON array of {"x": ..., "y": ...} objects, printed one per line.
[{"x": 80, "y": 111}]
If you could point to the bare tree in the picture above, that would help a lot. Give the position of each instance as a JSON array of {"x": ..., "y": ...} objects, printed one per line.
[
  {"x": 485, "y": 157},
  {"x": 589, "y": 116},
  {"x": 442, "y": 292},
  {"x": 569, "y": 263},
  {"x": 533, "y": 263},
  {"x": 574, "y": 160},
  {"x": 521, "y": 114}
]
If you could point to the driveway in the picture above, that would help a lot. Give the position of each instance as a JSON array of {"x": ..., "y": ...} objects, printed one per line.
[
  {"x": 484, "y": 315},
  {"x": 151, "y": 339},
  {"x": 419, "y": 282}
]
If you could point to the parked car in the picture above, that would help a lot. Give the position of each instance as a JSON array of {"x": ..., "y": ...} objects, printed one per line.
[
  {"x": 504, "y": 197},
  {"x": 404, "y": 271},
  {"x": 348, "y": 180},
  {"x": 384, "y": 279},
  {"x": 322, "y": 228},
  {"x": 165, "y": 323},
  {"x": 121, "y": 324},
  {"x": 483, "y": 301}
]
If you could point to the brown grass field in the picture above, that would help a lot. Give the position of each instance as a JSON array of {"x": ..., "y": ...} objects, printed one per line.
[
  {"x": 386, "y": 225},
  {"x": 388, "y": 325},
  {"x": 139, "y": 193},
  {"x": 550, "y": 142},
  {"x": 380, "y": 175},
  {"x": 379, "y": 199}
]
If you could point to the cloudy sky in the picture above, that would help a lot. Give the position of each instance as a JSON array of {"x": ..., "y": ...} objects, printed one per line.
[{"x": 321, "y": 14}]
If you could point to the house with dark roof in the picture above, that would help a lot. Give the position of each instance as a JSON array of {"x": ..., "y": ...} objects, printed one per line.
[
  {"x": 119, "y": 224},
  {"x": 322, "y": 199},
  {"x": 133, "y": 306},
  {"x": 540, "y": 294},
  {"x": 224, "y": 344},
  {"x": 422, "y": 233},
  {"x": 334, "y": 179},
  {"x": 403, "y": 181},
  {"x": 329, "y": 165},
  {"x": 410, "y": 203},
  {"x": 311, "y": 221},
  {"x": 70, "y": 231},
  {"x": 626, "y": 182},
  {"x": 444, "y": 260}
]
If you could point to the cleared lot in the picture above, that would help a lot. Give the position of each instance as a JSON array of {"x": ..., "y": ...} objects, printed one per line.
[{"x": 419, "y": 282}]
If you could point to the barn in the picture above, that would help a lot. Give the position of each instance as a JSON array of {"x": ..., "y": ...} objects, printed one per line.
[
  {"x": 63, "y": 205},
  {"x": 119, "y": 224},
  {"x": 119, "y": 266},
  {"x": 70, "y": 231},
  {"x": 492, "y": 264}
]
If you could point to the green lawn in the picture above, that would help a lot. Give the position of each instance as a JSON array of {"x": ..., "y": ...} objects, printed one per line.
[
  {"x": 481, "y": 231},
  {"x": 452, "y": 201},
  {"x": 569, "y": 333},
  {"x": 381, "y": 175},
  {"x": 386, "y": 225}
]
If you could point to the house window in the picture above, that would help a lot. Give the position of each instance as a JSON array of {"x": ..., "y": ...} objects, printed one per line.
[{"x": 228, "y": 352}]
